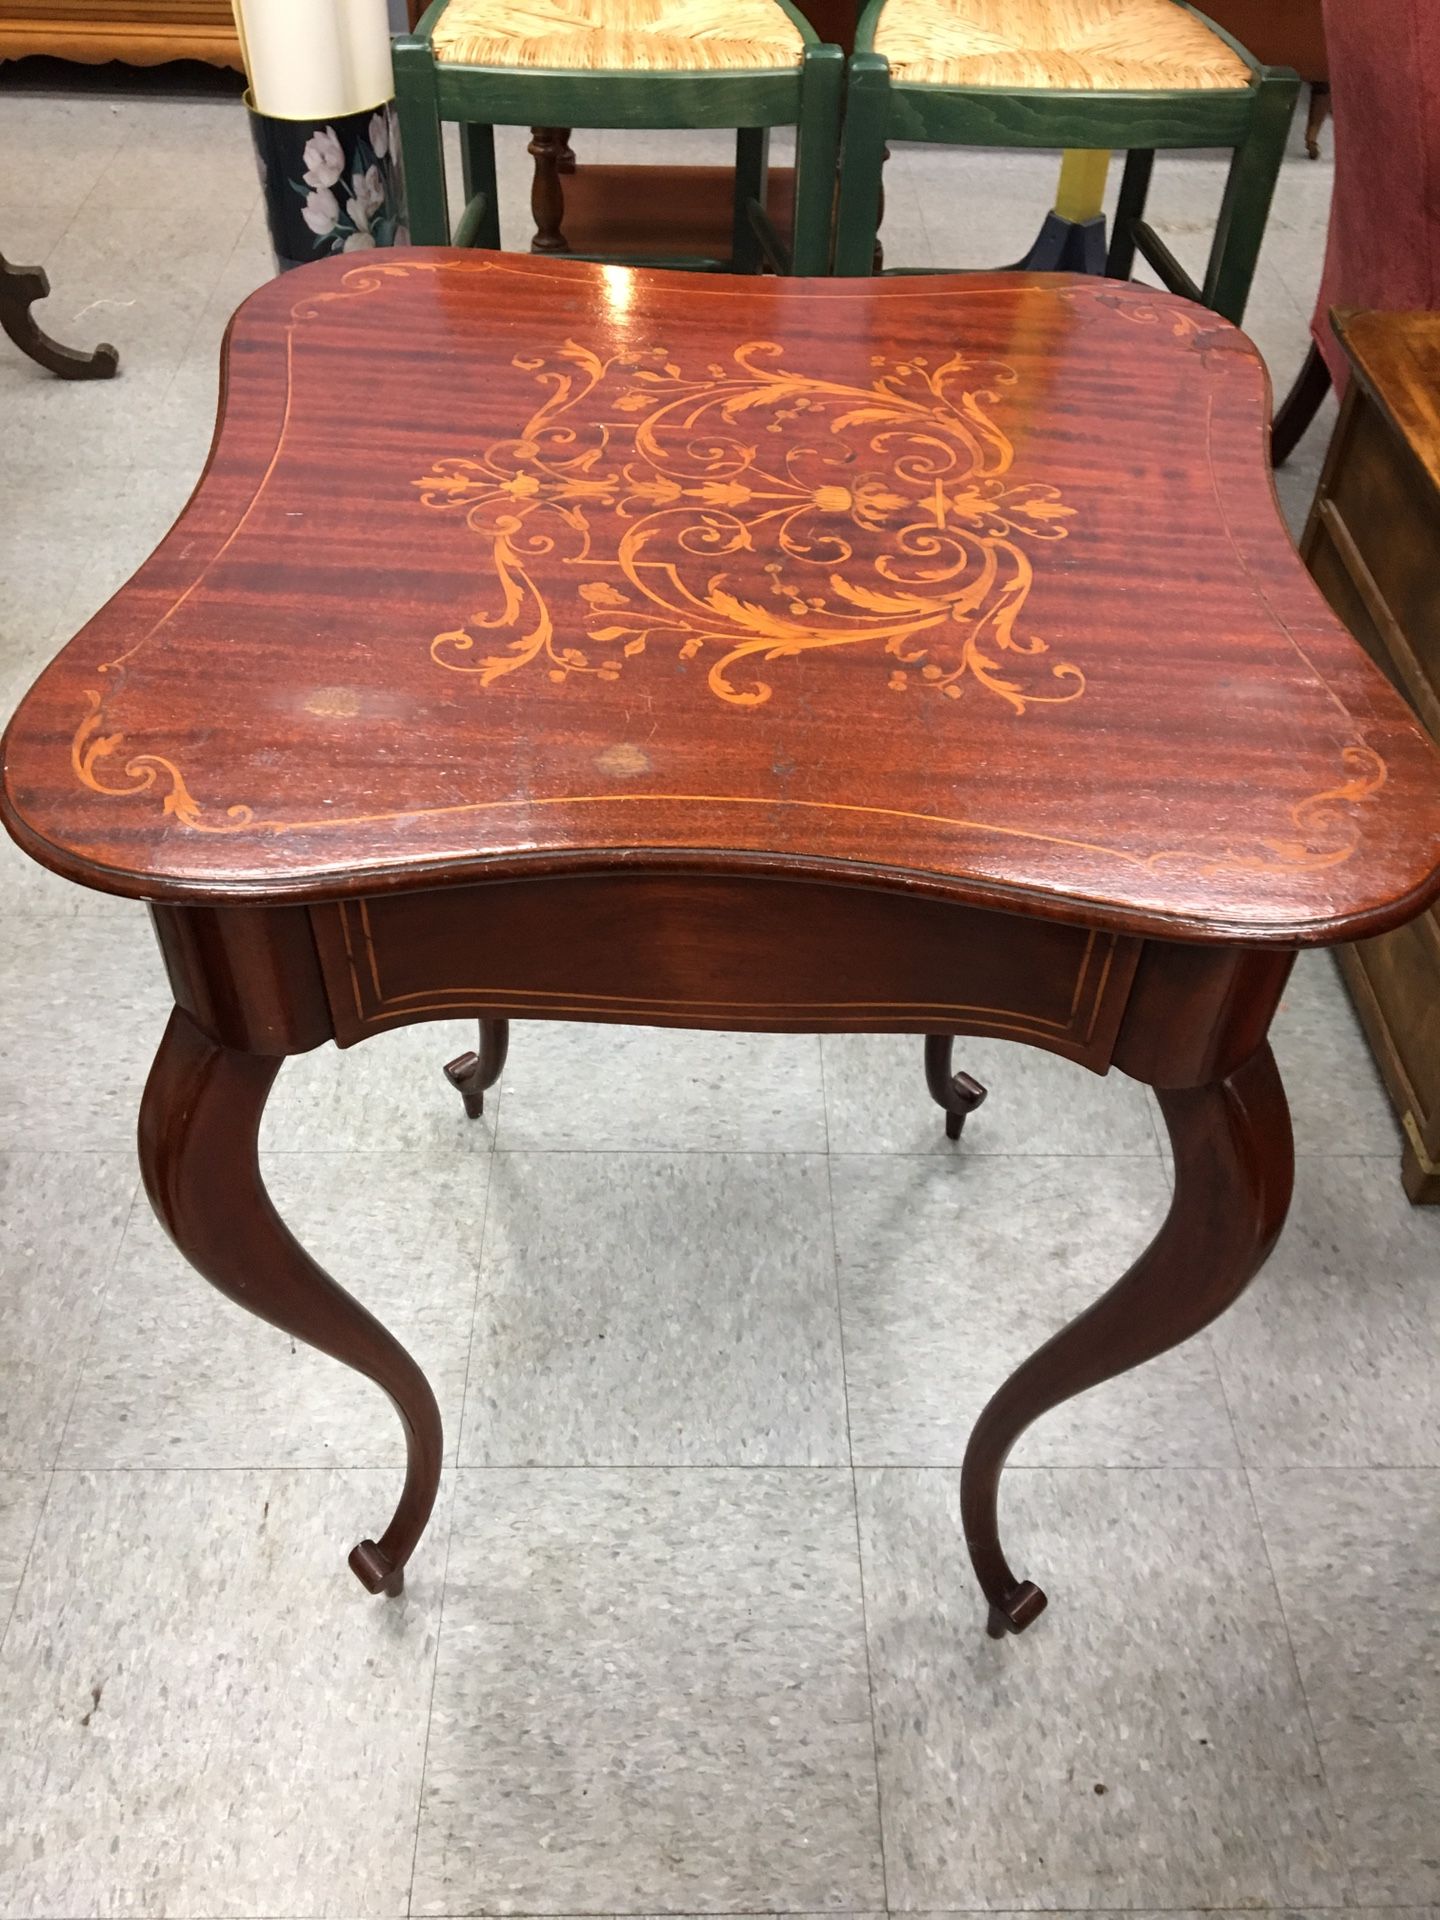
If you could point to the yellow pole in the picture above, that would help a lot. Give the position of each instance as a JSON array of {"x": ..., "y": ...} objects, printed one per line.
[{"x": 1081, "y": 192}]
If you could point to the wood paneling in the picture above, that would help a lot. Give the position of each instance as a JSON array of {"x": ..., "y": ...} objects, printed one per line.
[{"x": 141, "y": 32}]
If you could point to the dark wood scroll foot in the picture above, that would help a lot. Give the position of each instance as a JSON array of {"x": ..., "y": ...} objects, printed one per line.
[
  {"x": 1234, "y": 1167},
  {"x": 957, "y": 1093},
  {"x": 199, "y": 1154},
  {"x": 472, "y": 1073},
  {"x": 20, "y": 288},
  {"x": 1020, "y": 1606}
]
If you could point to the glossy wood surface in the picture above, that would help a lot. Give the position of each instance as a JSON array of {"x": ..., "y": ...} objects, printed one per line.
[
  {"x": 970, "y": 585},
  {"x": 143, "y": 33},
  {"x": 1396, "y": 357}
]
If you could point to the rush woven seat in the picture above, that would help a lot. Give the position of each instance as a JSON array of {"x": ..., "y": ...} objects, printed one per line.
[
  {"x": 1121, "y": 46},
  {"x": 1087, "y": 77},
  {"x": 556, "y": 65},
  {"x": 636, "y": 36}
]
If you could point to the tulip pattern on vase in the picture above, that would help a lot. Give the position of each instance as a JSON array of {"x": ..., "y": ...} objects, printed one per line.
[{"x": 333, "y": 188}]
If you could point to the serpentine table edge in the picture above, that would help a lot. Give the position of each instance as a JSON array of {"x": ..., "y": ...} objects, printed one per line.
[{"x": 920, "y": 657}]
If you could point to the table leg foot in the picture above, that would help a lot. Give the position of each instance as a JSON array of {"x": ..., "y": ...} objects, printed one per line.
[
  {"x": 375, "y": 1571},
  {"x": 1020, "y": 1606},
  {"x": 957, "y": 1093},
  {"x": 1234, "y": 1167},
  {"x": 472, "y": 1073},
  {"x": 199, "y": 1153},
  {"x": 20, "y": 288}
]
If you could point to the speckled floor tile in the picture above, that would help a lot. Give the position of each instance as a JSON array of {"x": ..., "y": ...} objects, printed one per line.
[
  {"x": 953, "y": 1272},
  {"x": 62, "y": 1216},
  {"x": 980, "y": 208},
  {"x": 1357, "y": 1559},
  {"x": 1145, "y": 1743},
  {"x": 1330, "y": 1358},
  {"x": 1337, "y": 1102},
  {"x": 388, "y": 1094},
  {"x": 876, "y": 1101},
  {"x": 203, "y": 1714},
  {"x": 64, "y": 550},
  {"x": 655, "y": 1089},
  {"x": 180, "y": 1377},
  {"x": 22, "y": 1495},
  {"x": 651, "y": 1697},
  {"x": 652, "y": 1310},
  {"x": 54, "y": 150},
  {"x": 150, "y": 314},
  {"x": 204, "y": 142},
  {"x": 32, "y": 231},
  {"x": 84, "y": 1012},
  {"x": 1212, "y": 1913}
]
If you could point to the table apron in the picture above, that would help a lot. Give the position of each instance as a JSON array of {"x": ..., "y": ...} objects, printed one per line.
[{"x": 754, "y": 954}]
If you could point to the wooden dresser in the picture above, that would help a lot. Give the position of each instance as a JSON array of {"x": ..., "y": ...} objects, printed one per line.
[
  {"x": 142, "y": 32},
  {"x": 1373, "y": 545}
]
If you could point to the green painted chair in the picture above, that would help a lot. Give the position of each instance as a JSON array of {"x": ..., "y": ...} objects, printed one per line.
[
  {"x": 1132, "y": 74},
  {"x": 550, "y": 64}
]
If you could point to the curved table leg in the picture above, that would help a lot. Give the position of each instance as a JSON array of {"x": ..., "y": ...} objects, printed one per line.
[
  {"x": 1234, "y": 1167},
  {"x": 199, "y": 1153},
  {"x": 957, "y": 1093},
  {"x": 472, "y": 1073},
  {"x": 20, "y": 288}
]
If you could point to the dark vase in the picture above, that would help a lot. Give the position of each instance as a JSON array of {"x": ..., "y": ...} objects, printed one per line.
[{"x": 331, "y": 186}]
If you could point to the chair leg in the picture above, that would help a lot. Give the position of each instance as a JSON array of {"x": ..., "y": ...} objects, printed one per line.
[
  {"x": 477, "y": 160},
  {"x": 471, "y": 1074},
  {"x": 857, "y": 219},
  {"x": 547, "y": 196},
  {"x": 817, "y": 144},
  {"x": 957, "y": 1093},
  {"x": 1299, "y": 406},
  {"x": 1129, "y": 211},
  {"x": 418, "y": 107},
  {"x": 752, "y": 163},
  {"x": 1248, "y": 192},
  {"x": 567, "y": 152},
  {"x": 1317, "y": 116}
]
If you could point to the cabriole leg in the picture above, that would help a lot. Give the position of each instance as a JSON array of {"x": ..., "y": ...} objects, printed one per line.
[
  {"x": 472, "y": 1074},
  {"x": 1234, "y": 1167},
  {"x": 199, "y": 1153},
  {"x": 958, "y": 1093}
]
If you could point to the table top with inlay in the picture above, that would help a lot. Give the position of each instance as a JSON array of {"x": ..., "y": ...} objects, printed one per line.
[{"x": 973, "y": 584}]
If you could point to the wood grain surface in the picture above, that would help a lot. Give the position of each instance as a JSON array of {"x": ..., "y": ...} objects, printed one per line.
[{"x": 973, "y": 586}]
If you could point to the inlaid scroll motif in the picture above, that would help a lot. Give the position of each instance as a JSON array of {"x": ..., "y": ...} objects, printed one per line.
[{"x": 758, "y": 515}]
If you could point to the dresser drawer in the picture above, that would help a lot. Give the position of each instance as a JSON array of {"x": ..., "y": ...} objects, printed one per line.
[
  {"x": 1382, "y": 523},
  {"x": 1399, "y": 974},
  {"x": 749, "y": 955}
]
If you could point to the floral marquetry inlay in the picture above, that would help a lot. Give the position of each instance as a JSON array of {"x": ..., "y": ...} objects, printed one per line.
[{"x": 754, "y": 515}]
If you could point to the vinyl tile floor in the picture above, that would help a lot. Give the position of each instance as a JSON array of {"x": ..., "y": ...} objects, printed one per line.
[{"x": 709, "y": 1318}]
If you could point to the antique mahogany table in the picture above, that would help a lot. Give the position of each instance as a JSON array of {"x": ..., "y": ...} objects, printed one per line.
[{"x": 553, "y": 641}]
